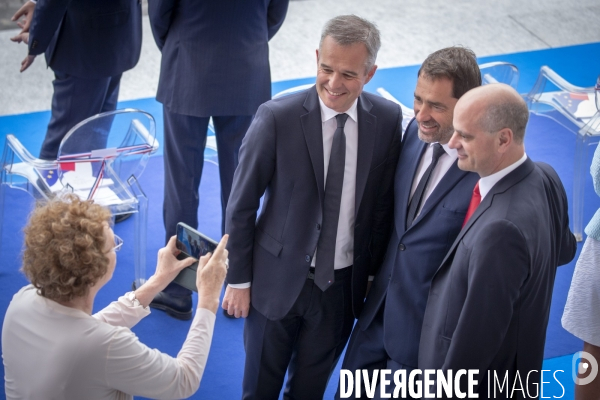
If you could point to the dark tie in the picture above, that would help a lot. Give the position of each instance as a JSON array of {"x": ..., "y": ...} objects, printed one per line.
[
  {"x": 417, "y": 197},
  {"x": 331, "y": 207},
  {"x": 475, "y": 200}
]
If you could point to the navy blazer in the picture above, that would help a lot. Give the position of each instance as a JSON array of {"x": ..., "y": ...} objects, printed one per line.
[
  {"x": 490, "y": 299},
  {"x": 87, "y": 38},
  {"x": 414, "y": 254},
  {"x": 282, "y": 157},
  {"x": 215, "y": 54}
]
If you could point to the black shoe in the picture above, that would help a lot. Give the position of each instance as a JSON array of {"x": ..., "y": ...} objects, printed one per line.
[
  {"x": 225, "y": 313},
  {"x": 122, "y": 217},
  {"x": 175, "y": 306}
]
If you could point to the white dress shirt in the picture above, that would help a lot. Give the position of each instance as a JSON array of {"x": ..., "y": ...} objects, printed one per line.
[
  {"x": 444, "y": 163},
  {"x": 55, "y": 352},
  {"x": 487, "y": 183},
  {"x": 344, "y": 241}
]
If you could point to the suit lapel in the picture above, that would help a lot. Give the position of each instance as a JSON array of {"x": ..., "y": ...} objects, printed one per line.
[
  {"x": 502, "y": 186},
  {"x": 412, "y": 152},
  {"x": 313, "y": 134},
  {"x": 367, "y": 125},
  {"x": 449, "y": 180}
]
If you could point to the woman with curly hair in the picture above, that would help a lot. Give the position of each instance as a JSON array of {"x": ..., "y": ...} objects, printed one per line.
[{"x": 52, "y": 345}]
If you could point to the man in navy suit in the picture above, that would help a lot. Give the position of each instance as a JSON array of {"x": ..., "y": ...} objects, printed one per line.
[
  {"x": 88, "y": 45},
  {"x": 436, "y": 200},
  {"x": 215, "y": 62},
  {"x": 319, "y": 197},
  {"x": 490, "y": 299}
]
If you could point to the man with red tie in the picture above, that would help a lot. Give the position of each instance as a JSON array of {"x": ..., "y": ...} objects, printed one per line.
[{"x": 489, "y": 301}]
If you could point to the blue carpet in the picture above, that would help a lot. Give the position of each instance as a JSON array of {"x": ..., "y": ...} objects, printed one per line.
[{"x": 545, "y": 141}]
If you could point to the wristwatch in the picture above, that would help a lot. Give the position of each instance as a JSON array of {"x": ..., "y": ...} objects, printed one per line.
[{"x": 131, "y": 297}]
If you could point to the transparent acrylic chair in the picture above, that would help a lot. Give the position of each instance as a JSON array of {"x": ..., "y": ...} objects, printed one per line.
[
  {"x": 577, "y": 109},
  {"x": 499, "y": 72},
  {"x": 101, "y": 158},
  {"x": 493, "y": 72}
]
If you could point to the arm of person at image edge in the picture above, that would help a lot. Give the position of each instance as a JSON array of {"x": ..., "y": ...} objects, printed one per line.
[
  {"x": 276, "y": 15},
  {"x": 257, "y": 160},
  {"x": 136, "y": 369},
  {"x": 591, "y": 390},
  {"x": 25, "y": 11},
  {"x": 46, "y": 20},
  {"x": 159, "y": 13}
]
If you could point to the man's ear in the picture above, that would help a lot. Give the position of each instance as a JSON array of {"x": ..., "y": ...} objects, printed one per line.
[
  {"x": 505, "y": 139},
  {"x": 317, "y": 58},
  {"x": 371, "y": 73}
]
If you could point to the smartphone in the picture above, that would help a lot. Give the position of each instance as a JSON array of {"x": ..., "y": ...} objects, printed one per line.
[{"x": 192, "y": 244}]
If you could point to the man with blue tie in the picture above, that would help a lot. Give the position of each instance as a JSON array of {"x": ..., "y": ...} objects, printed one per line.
[
  {"x": 431, "y": 199},
  {"x": 324, "y": 159}
]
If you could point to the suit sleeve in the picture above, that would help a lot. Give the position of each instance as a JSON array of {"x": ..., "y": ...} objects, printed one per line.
[
  {"x": 383, "y": 214},
  {"x": 566, "y": 244},
  {"x": 498, "y": 265},
  {"x": 252, "y": 176},
  {"x": 276, "y": 15},
  {"x": 47, "y": 18},
  {"x": 160, "y": 13}
]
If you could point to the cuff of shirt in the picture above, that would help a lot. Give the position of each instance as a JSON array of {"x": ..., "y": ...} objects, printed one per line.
[
  {"x": 239, "y": 285},
  {"x": 371, "y": 277}
]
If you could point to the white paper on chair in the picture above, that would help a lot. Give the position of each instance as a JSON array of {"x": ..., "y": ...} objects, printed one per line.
[
  {"x": 103, "y": 196},
  {"x": 587, "y": 108}
]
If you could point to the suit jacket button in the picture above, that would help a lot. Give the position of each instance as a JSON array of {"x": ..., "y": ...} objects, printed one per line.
[
  {"x": 402, "y": 247},
  {"x": 307, "y": 258},
  {"x": 318, "y": 227}
]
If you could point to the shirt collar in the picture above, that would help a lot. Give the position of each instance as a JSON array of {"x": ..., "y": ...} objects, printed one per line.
[
  {"x": 451, "y": 152},
  {"x": 487, "y": 183},
  {"x": 327, "y": 113}
]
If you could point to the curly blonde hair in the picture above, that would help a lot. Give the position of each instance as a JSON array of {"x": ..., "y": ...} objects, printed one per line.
[{"x": 64, "y": 247}]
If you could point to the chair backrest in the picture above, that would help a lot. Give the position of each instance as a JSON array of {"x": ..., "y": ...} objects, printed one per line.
[
  {"x": 101, "y": 154},
  {"x": 292, "y": 90},
  {"x": 576, "y": 108},
  {"x": 499, "y": 72}
]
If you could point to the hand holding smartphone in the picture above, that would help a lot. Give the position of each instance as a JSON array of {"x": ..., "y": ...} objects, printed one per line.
[{"x": 192, "y": 244}]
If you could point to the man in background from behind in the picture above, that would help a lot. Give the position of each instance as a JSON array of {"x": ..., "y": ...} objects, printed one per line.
[
  {"x": 88, "y": 46},
  {"x": 215, "y": 62}
]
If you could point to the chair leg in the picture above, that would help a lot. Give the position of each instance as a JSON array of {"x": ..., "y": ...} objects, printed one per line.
[
  {"x": 581, "y": 171},
  {"x": 141, "y": 228}
]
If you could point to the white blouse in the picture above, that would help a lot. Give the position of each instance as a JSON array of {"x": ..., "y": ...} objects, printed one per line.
[{"x": 55, "y": 352}]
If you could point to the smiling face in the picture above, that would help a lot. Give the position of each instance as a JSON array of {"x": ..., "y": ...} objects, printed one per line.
[
  {"x": 341, "y": 73},
  {"x": 434, "y": 107},
  {"x": 478, "y": 151}
]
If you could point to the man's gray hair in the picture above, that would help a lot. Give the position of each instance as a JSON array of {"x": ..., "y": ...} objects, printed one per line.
[
  {"x": 509, "y": 113},
  {"x": 347, "y": 30}
]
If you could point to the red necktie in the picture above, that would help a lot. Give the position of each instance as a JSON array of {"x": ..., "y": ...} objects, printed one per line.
[{"x": 475, "y": 200}]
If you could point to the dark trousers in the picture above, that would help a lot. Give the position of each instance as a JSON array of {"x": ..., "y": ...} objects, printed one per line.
[
  {"x": 185, "y": 139},
  {"x": 307, "y": 343},
  {"x": 366, "y": 351},
  {"x": 75, "y": 99}
]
